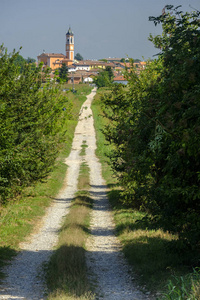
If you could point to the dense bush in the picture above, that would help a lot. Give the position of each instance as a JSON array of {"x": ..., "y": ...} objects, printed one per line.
[
  {"x": 156, "y": 129},
  {"x": 104, "y": 78},
  {"x": 31, "y": 120}
]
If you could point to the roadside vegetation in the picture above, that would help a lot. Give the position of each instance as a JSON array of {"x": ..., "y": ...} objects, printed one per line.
[
  {"x": 151, "y": 126},
  {"x": 32, "y": 125},
  {"x": 20, "y": 213},
  {"x": 105, "y": 78},
  {"x": 160, "y": 267},
  {"x": 148, "y": 137}
]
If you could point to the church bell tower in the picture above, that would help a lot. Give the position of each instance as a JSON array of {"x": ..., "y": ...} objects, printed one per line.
[{"x": 70, "y": 45}]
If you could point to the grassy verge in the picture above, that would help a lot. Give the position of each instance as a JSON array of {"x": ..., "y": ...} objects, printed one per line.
[
  {"x": 151, "y": 251},
  {"x": 19, "y": 217},
  {"x": 66, "y": 271},
  {"x": 103, "y": 148}
]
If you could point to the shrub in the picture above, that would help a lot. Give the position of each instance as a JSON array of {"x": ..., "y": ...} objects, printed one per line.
[
  {"x": 31, "y": 120},
  {"x": 156, "y": 129}
]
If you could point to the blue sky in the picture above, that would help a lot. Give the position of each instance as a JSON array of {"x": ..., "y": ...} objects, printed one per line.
[{"x": 102, "y": 28}]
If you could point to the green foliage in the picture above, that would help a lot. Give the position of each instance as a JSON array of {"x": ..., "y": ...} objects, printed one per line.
[
  {"x": 78, "y": 56},
  {"x": 63, "y": 73},
  {"x": 104, "y": 78},
  {"x": 103, "y": 148},
  {"x": 185, "y": 287},
  {"x": 156, "y": 129},
  {"x": 126, "y": 60},
  {"x": 66, "y": 272},
  {"x": 103, "y": 59},
  {"x": 123, "y": 108},
  {"x": 31, "y": 121},
  {"x": 20, "y": 214},
  {"x": 30, "y": 60},
  {"x": 19, "y": 61}
]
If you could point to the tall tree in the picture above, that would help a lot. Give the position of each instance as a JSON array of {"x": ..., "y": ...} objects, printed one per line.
[
  {"x": 63, "y": 73},
  {"x": 19, "y": 61},
  {"x": 104, "y": 78},
  {"x": 78, "y": 56},
  {"x": 30, "y": 60},
  {"x": 156, "y": 129},
  {"x": 109, "y": 72}
]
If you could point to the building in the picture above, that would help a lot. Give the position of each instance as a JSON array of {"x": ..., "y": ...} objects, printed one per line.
[
  {"x": 120, "y": 79},
  {"x": 51, "y": 60},
  {"x": 55, "y": 60},
  {"x": 70, "y": 45}
]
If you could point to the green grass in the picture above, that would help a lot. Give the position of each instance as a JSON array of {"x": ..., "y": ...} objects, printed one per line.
[
  {"x": 21, "y": 215},
  {"x": 67, "y": 267},
  {"x": 184, "y": 287},
  {"x": 83, "y": 148},
  {"x": 103, "y": 149},
  {"x": 152, "y": 252}
]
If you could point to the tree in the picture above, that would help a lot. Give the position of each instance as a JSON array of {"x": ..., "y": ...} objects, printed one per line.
[
  {"x": 31, "y": 122},
  {"x": 104, "y": 78},
  {"x": 19, "y": 61},
  {"x": 30, "y": 60},
  {"x": 103, "y": 59},
  {"x": 63, "y": 73},
  {"x": 155, "y": 129},
  {"x": 109, "y": 72},
  {"x": 178, "y": 117},
  {"x": 78, "y": 56}
]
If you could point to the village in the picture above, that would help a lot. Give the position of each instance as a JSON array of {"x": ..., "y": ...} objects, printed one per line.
[
  {"x": 83, "y": 71},
  {"x": 99, "y": 150}
]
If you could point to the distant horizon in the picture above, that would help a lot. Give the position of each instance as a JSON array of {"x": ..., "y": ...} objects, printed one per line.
[
  {"x": 103, "y": 28},
  {"x": 94, "y": 59}
]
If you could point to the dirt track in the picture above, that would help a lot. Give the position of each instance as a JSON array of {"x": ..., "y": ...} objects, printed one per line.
[{"x": 106, "y": 264}]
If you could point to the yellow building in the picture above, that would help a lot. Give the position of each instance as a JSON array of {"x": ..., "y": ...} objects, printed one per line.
[
  {"x": 55, "y": 60},
  {"x": 51, "y": 60}
]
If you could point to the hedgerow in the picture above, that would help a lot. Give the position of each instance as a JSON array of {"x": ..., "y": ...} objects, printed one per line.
[
  {"x": 31, "y": 124},
  {"x": 155, "y": 129}
]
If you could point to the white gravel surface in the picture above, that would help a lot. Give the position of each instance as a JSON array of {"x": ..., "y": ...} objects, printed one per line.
[{"x": 106, "y": 264}]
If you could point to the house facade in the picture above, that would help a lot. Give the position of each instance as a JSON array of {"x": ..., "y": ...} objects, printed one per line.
[
  {"x": 120, "y": 79},
  {"x": 51, "y": 60},
  {"x": 55, "y": 60}
]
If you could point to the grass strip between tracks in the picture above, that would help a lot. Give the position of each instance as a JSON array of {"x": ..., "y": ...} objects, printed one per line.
[{"x": 66, "y": 271}]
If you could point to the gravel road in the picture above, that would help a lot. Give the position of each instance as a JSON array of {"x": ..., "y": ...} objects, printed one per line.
[{"x": 106, "y": 264}]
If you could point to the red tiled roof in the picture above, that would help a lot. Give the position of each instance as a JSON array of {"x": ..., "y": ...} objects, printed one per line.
[
  {"x": 52, "y": 55},
  {"x": 119, "y": 78}
]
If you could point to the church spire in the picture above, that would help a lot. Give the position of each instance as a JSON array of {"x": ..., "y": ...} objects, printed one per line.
[
  {"x": 70, "y": 31},
  {"x": 70, "y": 44}
]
